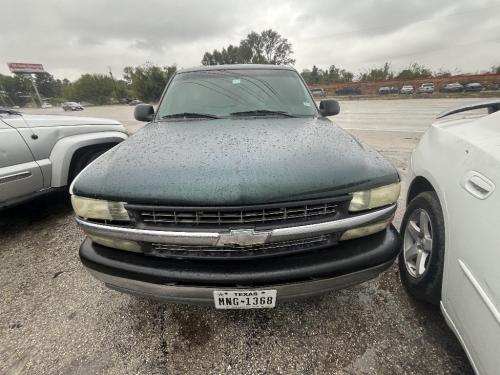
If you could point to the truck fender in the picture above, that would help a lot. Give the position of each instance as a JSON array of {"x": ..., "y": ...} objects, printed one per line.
[{"x": 64, "y": 149}]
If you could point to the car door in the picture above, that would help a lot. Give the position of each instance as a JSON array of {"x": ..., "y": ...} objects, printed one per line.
[
  {"x": 20, "y": 175},
  {"x": 471, "y": 291}
]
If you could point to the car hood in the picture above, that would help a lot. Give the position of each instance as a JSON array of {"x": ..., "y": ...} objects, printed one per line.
[
  {"x": 55, "y": 120},
  {"x": 234, "y": 162}
]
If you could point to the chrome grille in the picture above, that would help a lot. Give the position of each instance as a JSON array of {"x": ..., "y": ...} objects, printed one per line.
[
  {"x": 253, "y": 215},
  {"x": 266, "y": 249}
]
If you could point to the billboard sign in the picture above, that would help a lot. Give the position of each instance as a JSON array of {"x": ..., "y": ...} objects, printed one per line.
[{"x": 25, "y": 68}]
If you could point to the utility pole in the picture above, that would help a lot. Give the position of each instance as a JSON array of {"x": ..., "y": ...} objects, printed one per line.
[
  {"x": 35, "y": 88},
  {"x": 114, "y": 83}
]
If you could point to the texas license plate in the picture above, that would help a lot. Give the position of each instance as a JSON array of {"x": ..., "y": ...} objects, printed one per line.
[{"x": 245, "y": 299}]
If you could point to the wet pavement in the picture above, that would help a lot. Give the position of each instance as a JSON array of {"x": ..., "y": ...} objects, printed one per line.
[{"x": 56, "y": 319}]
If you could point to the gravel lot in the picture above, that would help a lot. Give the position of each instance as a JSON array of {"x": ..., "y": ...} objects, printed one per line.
[{"x": 56, "y": 319}]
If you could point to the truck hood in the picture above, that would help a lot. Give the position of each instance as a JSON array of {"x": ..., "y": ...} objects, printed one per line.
[
  {"x": 55, "y": 120},
  {"x": 234, "y": 162}
]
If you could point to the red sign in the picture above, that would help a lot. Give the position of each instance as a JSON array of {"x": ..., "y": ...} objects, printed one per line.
[{"x": 25, "y": 68}]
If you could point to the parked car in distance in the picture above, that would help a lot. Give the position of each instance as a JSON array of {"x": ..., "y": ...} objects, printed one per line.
[
  {"x": 474, "y": 86},
  {"x": 46, "y": 105},
  {"x": 450, "y": 253},
  {"x": 134, "y": 102},
  {"x": 407, "y": 89},
  {"x": 453, "y": 87},
  {"x": 348, "y": 91},
  {"x": 426, "y": 88},
  {"x": 208, "y": 210},
  {"x": 388, "y": 90},
  {"x": 41, "y": 153},
  {"x": 317, "y": 92},
  {"x": 72, "y": 106}
]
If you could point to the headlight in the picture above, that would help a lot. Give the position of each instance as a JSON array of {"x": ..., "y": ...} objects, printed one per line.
[
  {"x": 117, "y": 243},
  {"x": 366, "y": 230},
  {"x": 89, "y": 208},
  {"x": 378, "y": 197}
]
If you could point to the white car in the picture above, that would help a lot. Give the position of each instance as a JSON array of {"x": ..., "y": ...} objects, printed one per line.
[
  {"x": 450, "y": 231},
  {"x": 407, "y": 89},
  {"x": 426, "y": 88}
]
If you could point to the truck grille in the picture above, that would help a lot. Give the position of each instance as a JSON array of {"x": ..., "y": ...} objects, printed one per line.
[
  {"x": 232, "y": 252},
  {"x": 233, "y": 216}
]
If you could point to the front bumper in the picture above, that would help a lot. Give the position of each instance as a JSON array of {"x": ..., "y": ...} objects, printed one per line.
[{"x": 294, "y": 276}]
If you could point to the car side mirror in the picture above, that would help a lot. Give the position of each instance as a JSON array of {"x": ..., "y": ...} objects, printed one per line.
[
  {"x": 144, "y": 112},
  {"x": 329, "y": 107}
]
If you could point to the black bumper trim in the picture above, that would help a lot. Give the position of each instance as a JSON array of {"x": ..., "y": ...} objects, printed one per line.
[{"x": 346, "y": 257}]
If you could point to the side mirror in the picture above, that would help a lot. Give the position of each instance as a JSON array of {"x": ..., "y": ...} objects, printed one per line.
[
  {"x": 144, "y": 112},
  {"x": 329, "y": 107}
]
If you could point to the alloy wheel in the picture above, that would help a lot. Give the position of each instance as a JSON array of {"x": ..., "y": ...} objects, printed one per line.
[{"x": 417, "y": 243}]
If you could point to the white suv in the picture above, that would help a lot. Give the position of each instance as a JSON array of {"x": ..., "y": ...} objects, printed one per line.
[
  {"x": 427, "y": 88},
  {"x": 407, "y": 89}
]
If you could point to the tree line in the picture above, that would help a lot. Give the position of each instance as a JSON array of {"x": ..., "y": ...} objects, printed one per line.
[
  {"x": 147, "y": 81},
  {"x": 383, "y": 73},
  {"x": 269, "y": 47}
]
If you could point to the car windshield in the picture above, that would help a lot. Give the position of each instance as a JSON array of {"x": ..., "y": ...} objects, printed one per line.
[{"x": 238, "y": 92}]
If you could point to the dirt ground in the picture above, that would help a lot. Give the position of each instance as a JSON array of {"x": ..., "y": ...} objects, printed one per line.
[{"x": 56, "y": 319}]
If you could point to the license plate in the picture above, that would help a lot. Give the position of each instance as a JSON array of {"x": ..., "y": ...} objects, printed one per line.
[{"x": 245, "y": 299}]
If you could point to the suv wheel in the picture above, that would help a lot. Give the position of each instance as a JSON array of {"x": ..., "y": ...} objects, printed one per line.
[{"x": 421, "y": 260}]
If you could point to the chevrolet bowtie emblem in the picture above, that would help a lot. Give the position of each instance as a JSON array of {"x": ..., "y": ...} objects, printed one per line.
[{"x": 243, "y": 237}]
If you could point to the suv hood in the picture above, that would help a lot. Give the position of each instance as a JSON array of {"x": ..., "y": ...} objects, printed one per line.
[
  {"x": 55, "y": 120},
  {"x": 234, "y": 162}
]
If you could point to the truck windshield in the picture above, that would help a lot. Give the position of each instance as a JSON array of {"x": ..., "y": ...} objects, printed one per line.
[{"x": 236, "y": 93}]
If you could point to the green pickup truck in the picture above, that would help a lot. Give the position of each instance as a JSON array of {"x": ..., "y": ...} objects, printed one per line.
[{"x": 239, "y": 193}]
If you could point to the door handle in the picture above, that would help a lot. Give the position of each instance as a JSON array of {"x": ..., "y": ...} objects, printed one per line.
[{"x": 478, "y": 185}]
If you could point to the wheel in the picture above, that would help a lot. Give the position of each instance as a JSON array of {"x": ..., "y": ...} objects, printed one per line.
[{"x": 421, "y": 260}]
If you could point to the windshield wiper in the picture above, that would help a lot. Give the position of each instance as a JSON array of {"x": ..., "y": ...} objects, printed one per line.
[
  {"x": 261, "y": 112},
  {"x": 190, "y": 115}
]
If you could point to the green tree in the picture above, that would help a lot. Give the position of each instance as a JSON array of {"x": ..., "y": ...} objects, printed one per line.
[
  {"x": 92, "y": 88},
  {"x": 414, "y": 71},
  {"x": 334, "y": 74},
  {"x": 122, "y": 89},
  {"x": 495, "y": 69},
  {"x": 315, "y": 75},
  {"x": 378, "y": 74},
  {"x": 15, "y": 89},
  {"x": 148, "y": 81},
  {"x": 306, "y": 75},
  {"x": 268, "y": 47},
  {"x": 48, "y": 86},
  {"x": 331, "y": 75},
  {"x": 229, "y": 55}
]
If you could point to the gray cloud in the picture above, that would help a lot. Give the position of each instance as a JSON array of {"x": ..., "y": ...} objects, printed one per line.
[{"x": 72, "y": 38}]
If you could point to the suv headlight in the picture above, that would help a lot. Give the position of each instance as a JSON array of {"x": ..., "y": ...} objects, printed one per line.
[
  {"x": 90, "y": 208},
  {"x": 378, "y": 197}
]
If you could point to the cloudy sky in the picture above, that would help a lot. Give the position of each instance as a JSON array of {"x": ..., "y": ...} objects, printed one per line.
[{"x": 70, "y": 38}]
